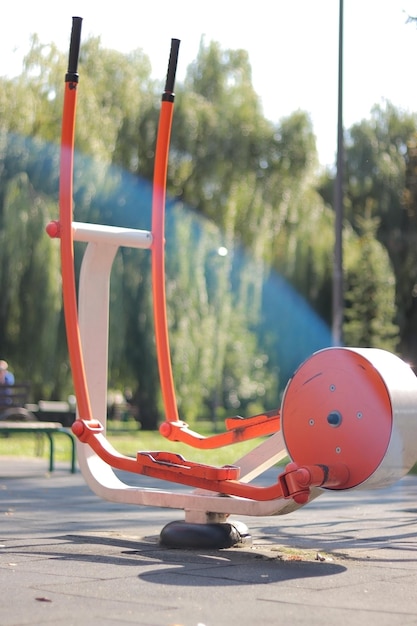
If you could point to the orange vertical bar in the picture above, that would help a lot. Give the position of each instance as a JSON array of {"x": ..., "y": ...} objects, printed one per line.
[
  {"x": 65, "y": 217},
  {"x": 158, "y": 245}
]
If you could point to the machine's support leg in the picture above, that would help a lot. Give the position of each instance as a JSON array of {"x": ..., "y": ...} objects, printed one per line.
[{"x": 184, "y": 534}]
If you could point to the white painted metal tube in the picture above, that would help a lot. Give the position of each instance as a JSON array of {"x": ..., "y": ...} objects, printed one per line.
[{"x": 112, "y": 235}]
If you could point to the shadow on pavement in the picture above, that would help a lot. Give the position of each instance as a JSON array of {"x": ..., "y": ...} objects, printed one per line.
[{"x": 193, "y": 568}]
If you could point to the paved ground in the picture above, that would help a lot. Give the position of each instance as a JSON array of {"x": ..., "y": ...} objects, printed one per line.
[{"x": 67, "y": 557}]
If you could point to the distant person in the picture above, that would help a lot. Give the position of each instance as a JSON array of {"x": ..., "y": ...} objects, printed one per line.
[{"x": 6, "y": 377}]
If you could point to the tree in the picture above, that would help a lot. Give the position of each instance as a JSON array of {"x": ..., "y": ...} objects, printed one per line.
[
  {"x": 370, "y": 291},
  {"x": 30, "y": 288},
  {"x": 376, "y": 164},
  {"x": 30, "y": 313},
  {"x": 239, "y": 322},
  {"x": 376, "y": 158},
  {"x": 218, "y": 363},
  {"x": 227, "y": 161},
  {"x": 409, "y": 334}
]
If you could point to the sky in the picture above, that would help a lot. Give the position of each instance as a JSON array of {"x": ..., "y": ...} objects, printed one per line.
[{"x": 292, "y": 47}]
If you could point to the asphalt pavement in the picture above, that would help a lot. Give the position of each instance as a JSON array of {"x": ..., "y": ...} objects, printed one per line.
[{"x": 68, "y": 557}]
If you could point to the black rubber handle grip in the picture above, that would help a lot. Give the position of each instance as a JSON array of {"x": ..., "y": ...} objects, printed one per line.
[
  {"x": 172, "y": 69},
  {"x": 74, "y": 51}
]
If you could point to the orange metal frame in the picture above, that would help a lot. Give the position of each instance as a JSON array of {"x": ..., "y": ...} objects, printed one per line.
[
  {"x": 65, "y": 225},
  {"x": 295, "y": 482}
]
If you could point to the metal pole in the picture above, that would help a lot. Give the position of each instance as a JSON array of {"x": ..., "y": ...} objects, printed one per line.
[
  {"x": 158, "y": 239},
  {"x": 338, "y": 290}
]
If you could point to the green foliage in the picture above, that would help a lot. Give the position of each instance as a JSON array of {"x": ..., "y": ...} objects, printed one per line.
[
  {"x": 30, "y": 285},
  {"x": 257, "y": 223},
  {"x": 376, "y": 169},
  {"x": 370, "y": 291},
  {"x": 216, "y": 356}
]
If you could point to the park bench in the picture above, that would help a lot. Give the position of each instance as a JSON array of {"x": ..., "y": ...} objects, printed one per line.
[{"x": 16, "y": 417}]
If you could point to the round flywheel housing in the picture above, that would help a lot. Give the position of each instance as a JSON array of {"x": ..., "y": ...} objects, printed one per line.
[{"x": 338, "y": 408}]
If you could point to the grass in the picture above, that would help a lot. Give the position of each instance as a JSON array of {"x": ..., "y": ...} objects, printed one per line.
[{"x": 127, "y": 440}]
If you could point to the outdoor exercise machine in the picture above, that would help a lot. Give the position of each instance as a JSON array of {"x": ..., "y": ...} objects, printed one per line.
[{"x": 348, "y": 415}]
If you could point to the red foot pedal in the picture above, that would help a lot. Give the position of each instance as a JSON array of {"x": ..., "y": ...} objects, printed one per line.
[{"x": 175, "y": 463}]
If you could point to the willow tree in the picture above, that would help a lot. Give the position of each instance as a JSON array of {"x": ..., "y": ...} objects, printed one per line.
[
  {"x": 30, "y": 288},
  {"x": 376, "y": 179},
  {"x": 251, "y": 179}
]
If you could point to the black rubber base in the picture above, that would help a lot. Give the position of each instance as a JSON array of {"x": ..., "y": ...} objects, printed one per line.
[{"x": 182, "y": 534}]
